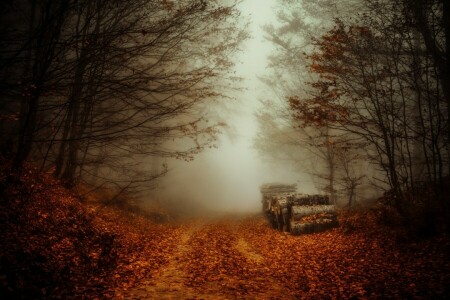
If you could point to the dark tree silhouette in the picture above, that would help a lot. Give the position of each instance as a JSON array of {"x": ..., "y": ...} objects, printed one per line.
[{"x": 99, "y": 86}]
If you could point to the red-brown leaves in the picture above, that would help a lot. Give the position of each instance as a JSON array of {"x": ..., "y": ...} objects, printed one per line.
[
  {"x": 339, "y": 54},
  {"x": 320, "y": 110},
  {"x": 53, "y": 246},
  {"x": 364, "y": 263},
  {"x": 51, "y": 249}
]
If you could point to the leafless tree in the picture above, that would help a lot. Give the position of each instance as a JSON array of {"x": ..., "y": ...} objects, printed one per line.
[
  {"x": 387, "y": 93},
  {"x": 107, "y": 84}
]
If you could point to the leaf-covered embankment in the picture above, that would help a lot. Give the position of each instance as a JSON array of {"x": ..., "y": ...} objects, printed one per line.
[{"x": 54, "y": 246}]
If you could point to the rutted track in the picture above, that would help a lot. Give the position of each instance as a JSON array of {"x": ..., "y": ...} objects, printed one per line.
[{"x": 246, "y": 259}]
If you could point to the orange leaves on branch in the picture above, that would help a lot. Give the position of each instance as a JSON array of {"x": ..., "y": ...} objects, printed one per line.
[
  {"x": 321, "y": 110},
  {"x": 330, "y": 62},
  {"x": 338, "y": 55}
]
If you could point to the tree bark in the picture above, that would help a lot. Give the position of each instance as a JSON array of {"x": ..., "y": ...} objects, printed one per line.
[
  {"x": 441, "y": 58},
  {"x": 313, "y": 227},
  {"x": 298, "y": 212},
  {"x": 309, "y": 200}
]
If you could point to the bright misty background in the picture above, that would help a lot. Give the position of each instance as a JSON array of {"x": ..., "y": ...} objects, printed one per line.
[{"x": 228, "y": 178}]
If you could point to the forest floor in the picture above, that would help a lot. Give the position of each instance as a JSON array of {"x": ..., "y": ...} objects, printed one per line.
[
  {"x": 56, "y": 246},
  {"x": 246, "y": 259},
  {"x": 203, "y": 266}
]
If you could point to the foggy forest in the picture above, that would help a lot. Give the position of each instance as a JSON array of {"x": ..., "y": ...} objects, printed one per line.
[{"x": 224, "y": 149}]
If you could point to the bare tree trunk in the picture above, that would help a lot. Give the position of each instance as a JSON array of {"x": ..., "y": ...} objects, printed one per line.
[
  {"x": 71, "y": 140},
  {"x": 441, "y": 59},
  {"x": 446, "y": 80},
  {"x": 45, "y": 48},
  {"x": 330, "y": 157},
  {"x": 24, "y": 116}
]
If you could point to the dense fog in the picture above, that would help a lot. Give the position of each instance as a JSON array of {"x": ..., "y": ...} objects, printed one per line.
[{"x": 228, "y": 177}]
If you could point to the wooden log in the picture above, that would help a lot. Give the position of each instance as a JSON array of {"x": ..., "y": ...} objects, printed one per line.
[
  {"x": 317, "y": 218},
  {"x": 308, "y": 199},
  {"x": 280, "y": 203},
  {"x": 285, "y": 218},
  {"x": 272, "y": 221},
  {"x": 313, "y": 227},
  {"x": 276, "y": 205},
  {"x": 280, "y": 222},
  {"x": 277, "y": 188},
  {"x": 282, "y": 217},
  {"x": 298, "y": 212}
]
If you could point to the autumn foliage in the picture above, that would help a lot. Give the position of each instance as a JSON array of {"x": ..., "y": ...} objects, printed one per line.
[
  {"x": 55, "y": 246},
  {"x": 379, "y": 94},
  {"x": 358, "y": 260}
]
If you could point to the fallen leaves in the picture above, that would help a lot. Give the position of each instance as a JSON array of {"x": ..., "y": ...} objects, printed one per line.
[
  {"x": 54, "y": 248},
  {"x": 369, "y": 263}
]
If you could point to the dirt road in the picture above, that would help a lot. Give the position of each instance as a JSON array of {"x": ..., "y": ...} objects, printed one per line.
[
  {"x": 245, "y": 259},
  {"x": 170, "y": 282}
]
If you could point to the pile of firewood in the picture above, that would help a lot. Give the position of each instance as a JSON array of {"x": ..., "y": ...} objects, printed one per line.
[
  {"x": 312, "y": 218},
  {"x": 297, "y": 213}
]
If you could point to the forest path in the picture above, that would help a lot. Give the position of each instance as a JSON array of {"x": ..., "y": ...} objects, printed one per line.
[
  {"x": 169, "y": 282},
  {"x": 197, "y": 242},
  {"x": 244, "y": 258}
]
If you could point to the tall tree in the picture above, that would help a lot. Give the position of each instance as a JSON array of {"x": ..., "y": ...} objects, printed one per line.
[
  {"x": 380, "y": 87},
  {"x": 122, "y": 79},
  {"x": 298, "y": 22},
  {"x": 432, "y": 20}
]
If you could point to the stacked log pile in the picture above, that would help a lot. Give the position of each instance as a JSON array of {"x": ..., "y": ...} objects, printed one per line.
[
  {"x": 312, "y": 218},
  {"x": 297, "y": 213}
]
